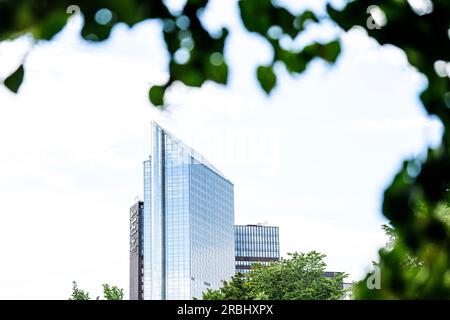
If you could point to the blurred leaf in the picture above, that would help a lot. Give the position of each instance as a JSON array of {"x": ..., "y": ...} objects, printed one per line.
[
  {"x": 267, "y": 16},
  {"x": 434, "y": 178},
  {"x": 266, "y": 78},
  {"x": 328, "y": 52},
  {"x": 52, "y": 25},
  {"x": 256, "y": 15},
  {"x": 218, "y": 73},
  {"x": 295, "y": 62},
  {"x": 188, "y": 74},
  {"x": 156, "y": 95},
  {"x": 285, "y": 20},
  {"x": 14, "y": 81},
  {"x": 303, "y": 19}
]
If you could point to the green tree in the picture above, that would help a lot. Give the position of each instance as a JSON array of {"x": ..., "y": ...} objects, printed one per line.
[
  {"x": 409, "y": 261},
  {"x": 390, "y": 233},
  {"x": 112, "y": 292},
  {"x": 109, "y": 293},
  {"x": 238, "y": 288},
  {"x": 78, "y": 294},
  {"x": 300, "y": 277},
  {"x": 421, "y": 274},
  {"x": 421, "y": 31}
]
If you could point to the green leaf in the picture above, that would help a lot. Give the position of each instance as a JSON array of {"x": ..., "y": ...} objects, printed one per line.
[
  {"x": 286, "y": 20},
  {"x": 218, "y": 73},
  {"x": 256, "y": 15},
  {"x": 191, "y": 74},
  {"x": 266, "y": 78},
  {"x": 328, "y": 52},
  {"x": 14, "y": 81},
  {"x": 156, "y": 95},
  {"x": 259, "y": 15},
  {"x": 295, "y": 62},
  {"x": 307, "y": 16},
  {"x": 52, "y": 25}
]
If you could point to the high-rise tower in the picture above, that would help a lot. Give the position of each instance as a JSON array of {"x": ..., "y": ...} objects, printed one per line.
[{"x": 188, "y": 222}]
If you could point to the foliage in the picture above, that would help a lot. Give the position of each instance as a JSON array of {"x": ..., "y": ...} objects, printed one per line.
[
  {"x": 419, "y": 274},
  {"x": 78, "y": 294},
  {"x": 109, "y": 293},
  {"x": 14, "y": 80},
  {"x": 238, "y": 288},
  {"x": 419, "y": 191},
  {"x": 409, "y": 261},
  {"x": 422, "y": 33},
  {"x": 390, "y": 232},
  {"x": 183, "y": 33},
  {"x": 112, "y": 292},
  {"x": 301, "y": 277}
]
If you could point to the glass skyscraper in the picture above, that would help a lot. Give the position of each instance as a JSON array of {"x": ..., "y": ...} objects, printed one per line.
[
  {"x": 255, "y": 244},
  {"x": 188, "y": 222}
]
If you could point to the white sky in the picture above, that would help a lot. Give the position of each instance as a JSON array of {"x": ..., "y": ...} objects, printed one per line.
[{"x": 314, "y": 158}]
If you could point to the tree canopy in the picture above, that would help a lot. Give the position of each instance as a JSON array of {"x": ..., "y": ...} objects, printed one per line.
[
  {"x": 300, "y": 277},
  {"x": 78, "y": 294},
  {"x": 419, "y": 28},
  {"x": 109, "y": 293},
  {"x": 409, "y": 274}
]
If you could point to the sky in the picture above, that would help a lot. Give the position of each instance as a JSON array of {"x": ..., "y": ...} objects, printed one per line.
[{"x": 313, "y": 158}]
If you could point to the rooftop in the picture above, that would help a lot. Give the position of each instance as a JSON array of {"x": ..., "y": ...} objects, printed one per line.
[{"x": 190, "y": 151}]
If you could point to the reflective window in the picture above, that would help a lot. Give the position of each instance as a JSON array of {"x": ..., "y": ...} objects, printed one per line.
[
  {"x": 189, "y": 222},
  {"x": 255, "y": 244}
]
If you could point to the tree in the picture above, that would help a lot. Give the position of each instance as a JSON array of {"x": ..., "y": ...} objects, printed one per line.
[
  {"x": 109, "y": 293},
  {"x": 420, "y": 28},
  {"x": 409, "y": 261},
  {"x": 78, "y": 294},
  {"x": 238, "y": 288},
  {"x": 301, "y": 277},
  {"x": 390, "y": 233},
  {"x": 409, "y": 274},
  {"x": 112, "y": 292}
]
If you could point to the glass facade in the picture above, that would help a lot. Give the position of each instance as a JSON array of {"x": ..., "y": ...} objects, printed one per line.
[
  {"x": 255, "y": 244},
  {"x": 146, "y": 234},
  {"x": 188, "y": 224}
]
